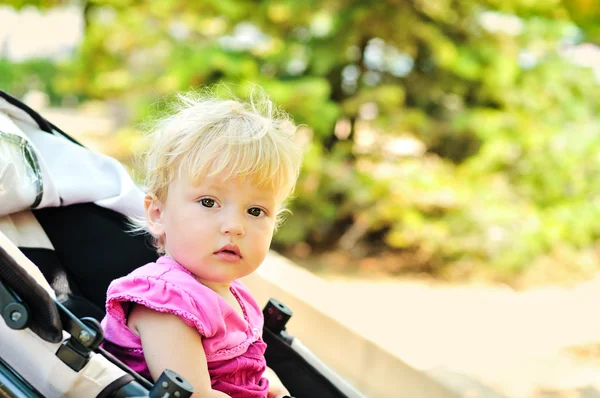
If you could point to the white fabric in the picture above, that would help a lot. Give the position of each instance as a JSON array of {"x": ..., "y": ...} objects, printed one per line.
[
  {"x": 24, "y": 230},
  {"x": 71, "y": 174},
  {"x": 24, "y": 262},
  {"x": 36, "y": 360},
  {"x": 17, "y": 181}
]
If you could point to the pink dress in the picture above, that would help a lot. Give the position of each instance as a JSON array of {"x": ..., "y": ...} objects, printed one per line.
[{"x": 233, "y": 345}]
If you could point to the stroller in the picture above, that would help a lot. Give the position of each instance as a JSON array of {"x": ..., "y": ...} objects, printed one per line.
[{"x": 58, "y": 254}]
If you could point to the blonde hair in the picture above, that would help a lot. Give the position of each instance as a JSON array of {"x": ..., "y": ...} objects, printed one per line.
[{"x": 205, "y": 136}]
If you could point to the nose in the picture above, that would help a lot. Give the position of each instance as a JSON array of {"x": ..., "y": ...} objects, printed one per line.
[{"x": 232, "y": 226}]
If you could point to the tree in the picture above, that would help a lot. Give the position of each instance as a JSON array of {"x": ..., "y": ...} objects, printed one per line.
[{"x": 456, "y": 132}]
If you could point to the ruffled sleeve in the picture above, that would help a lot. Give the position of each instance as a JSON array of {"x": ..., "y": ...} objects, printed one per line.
[{"x": 162, "y": 291}]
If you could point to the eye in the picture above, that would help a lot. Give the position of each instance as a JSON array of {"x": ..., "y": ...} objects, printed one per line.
[
  {"x": 256, "y": 211},
  {"x": 207, "y": 202}
]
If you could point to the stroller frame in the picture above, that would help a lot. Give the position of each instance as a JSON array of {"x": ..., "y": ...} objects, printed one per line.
[{"x": 27, "y": 306}]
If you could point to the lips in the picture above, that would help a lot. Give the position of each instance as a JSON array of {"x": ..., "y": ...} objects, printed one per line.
[{"x": 229, "y": 253}]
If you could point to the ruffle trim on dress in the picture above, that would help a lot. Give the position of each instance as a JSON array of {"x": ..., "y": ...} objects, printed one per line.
[
  {"x": 228, "y": 353},
  {"x": 188, "y": 318}
]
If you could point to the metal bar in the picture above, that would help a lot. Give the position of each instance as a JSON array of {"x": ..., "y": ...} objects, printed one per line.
[{"x": 12, "y": 385}]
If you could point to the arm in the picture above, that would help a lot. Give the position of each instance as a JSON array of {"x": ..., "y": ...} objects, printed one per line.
[
  {"x": 276, "y": 387},
  {"x": 169, "y": 343}
]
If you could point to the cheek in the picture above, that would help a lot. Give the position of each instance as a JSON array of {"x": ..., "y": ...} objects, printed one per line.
[
  {"x": 260, "y": 251},
  {"x": 265, "y": 235},
  {"x": 183, "y": 231}
]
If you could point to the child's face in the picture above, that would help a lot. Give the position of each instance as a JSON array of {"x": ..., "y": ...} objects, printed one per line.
[{"x": 219, "y": 230}]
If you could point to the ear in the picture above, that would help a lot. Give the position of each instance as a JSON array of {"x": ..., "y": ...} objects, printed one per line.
[{"x": 154, "y": 215}]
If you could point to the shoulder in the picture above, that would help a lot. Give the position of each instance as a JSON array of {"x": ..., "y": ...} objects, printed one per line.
[
  {"x": 165, "y": 287},
  {"x": 166, "y": 273}
]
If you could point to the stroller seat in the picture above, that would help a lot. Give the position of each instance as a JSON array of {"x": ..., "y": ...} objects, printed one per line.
[
  {"x": 57, "y": 257},
  {"x": 32, "y": 339}
]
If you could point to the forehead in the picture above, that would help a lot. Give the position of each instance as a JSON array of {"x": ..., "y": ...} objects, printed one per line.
[{"x": 222, "y": 183}]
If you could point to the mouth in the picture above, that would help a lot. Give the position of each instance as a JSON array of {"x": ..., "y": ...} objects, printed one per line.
[{"x": 229, "y": 253}]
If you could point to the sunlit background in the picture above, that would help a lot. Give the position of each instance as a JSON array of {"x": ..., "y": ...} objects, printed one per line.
[{"x": 447, "y": 142}]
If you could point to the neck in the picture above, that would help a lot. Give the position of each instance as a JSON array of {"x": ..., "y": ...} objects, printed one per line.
[{"x": 221, "y": 288}]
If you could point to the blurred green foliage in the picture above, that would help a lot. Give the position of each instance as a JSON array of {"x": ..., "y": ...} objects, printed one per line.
[
  {"x": 453, "y": 131},
  {"x": 37, "y": 74}
]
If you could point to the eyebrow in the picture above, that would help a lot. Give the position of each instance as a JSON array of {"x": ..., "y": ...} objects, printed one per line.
[{"x": 259, "y": 194}]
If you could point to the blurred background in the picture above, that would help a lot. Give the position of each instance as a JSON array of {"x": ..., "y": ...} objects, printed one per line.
[{"x": 447, "y": 141}]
